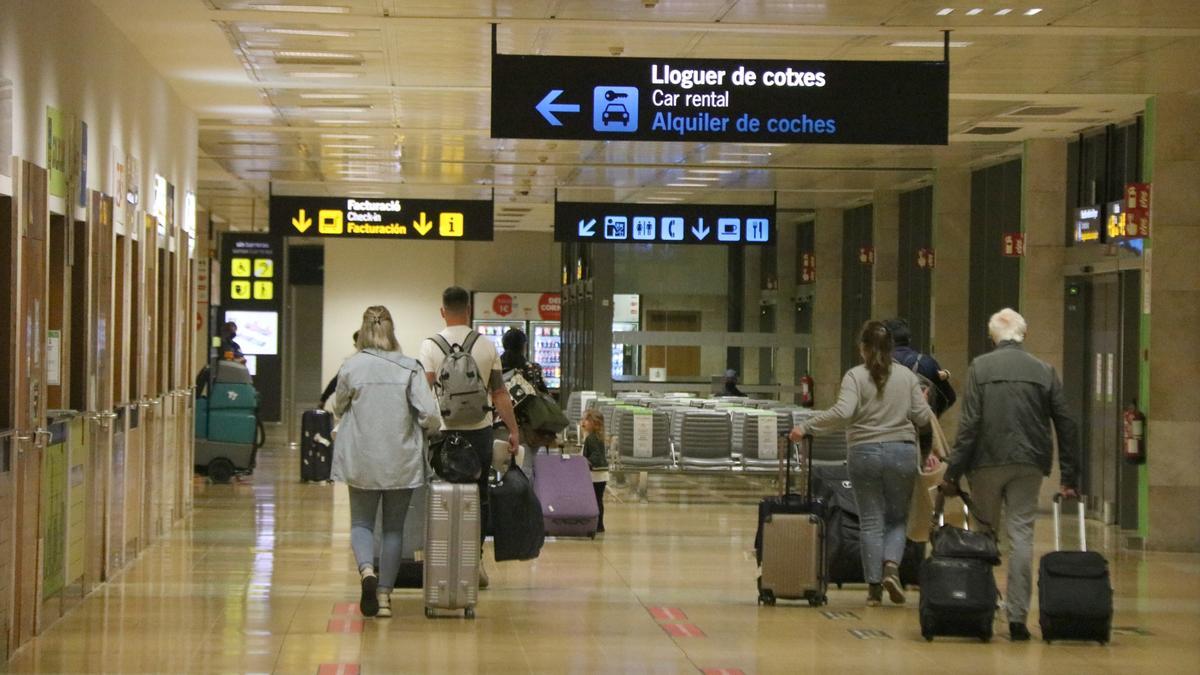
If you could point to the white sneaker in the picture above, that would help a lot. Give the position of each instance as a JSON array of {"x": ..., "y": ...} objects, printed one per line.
[{"x": 385, "y": 605}]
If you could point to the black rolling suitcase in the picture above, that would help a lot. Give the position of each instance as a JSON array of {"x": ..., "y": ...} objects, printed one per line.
[
  {"x": 1075, "y": 595},
  {"x": 958, "y": 594},
  {"x": 316, "y": 445}
]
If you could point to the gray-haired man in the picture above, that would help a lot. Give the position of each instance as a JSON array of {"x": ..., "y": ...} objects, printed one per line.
[{"x": 1004, "y": 447}]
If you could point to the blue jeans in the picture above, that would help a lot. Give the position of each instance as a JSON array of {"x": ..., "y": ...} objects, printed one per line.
[
  {"x": 883, "y": 475},
  {"x": 364, "y": 508}
]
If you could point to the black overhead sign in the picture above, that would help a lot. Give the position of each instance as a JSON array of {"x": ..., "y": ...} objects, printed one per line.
[
  {"x": 735, "y": 101},
  {"x": 381, "y": 218},
  {"x": 607, "y": 223}
]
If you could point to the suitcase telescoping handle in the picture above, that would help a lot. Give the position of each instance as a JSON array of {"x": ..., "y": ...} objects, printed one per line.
[
  {"x": 1057, "y": 511},
  {"x": 785, "y": 464}
]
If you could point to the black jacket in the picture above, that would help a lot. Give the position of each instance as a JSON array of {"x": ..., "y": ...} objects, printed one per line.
[
  {"x": 1011, "y": 399},
  {"x": 928, "y": 367}
]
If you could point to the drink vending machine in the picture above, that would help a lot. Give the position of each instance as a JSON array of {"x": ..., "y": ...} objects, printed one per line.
[{"x": 538, "y": 315}]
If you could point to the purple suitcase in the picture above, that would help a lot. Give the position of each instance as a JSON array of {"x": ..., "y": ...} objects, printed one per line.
[{"x": 563, "y": 484}]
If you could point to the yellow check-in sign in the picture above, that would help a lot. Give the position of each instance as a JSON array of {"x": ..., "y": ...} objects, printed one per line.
[{"x": 381, "y": 218}]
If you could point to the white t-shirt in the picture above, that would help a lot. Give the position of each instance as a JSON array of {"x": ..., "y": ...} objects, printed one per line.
[{"x": 484, "y": 353}]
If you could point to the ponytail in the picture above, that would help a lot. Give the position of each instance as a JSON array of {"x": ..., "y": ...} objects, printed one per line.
[{"x": 876, "y": 343}]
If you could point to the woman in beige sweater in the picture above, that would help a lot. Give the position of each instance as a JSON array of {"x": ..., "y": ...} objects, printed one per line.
[{"x": 877, "y": 406}]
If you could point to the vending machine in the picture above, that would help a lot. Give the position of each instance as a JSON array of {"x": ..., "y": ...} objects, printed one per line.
[
  {"x": 537, "y": 314},
  {"x": 626, "y": 359}
]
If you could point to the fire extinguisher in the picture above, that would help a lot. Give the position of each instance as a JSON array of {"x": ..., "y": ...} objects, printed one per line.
[
  {"x": 1134, "y": 433},
  {"x": 806, "y": 391}
]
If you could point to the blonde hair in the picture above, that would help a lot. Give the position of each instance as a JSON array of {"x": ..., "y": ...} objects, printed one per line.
[
  {"x": 377, "y": 331},
  {"x": 1007, "y": 326},
  {"x": 596, "y": 419}
]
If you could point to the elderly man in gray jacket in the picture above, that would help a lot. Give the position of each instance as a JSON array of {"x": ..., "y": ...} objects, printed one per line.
[{"x": 1005, "y": 448}]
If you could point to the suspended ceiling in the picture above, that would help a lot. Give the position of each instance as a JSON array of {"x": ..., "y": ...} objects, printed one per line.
[{"x": 378, "y": 97}]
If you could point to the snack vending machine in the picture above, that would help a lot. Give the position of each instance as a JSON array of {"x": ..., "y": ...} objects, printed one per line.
[{"x": 536, "y": 314}]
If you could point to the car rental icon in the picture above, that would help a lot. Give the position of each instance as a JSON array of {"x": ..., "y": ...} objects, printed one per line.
[{"x": 615, "y": 109}]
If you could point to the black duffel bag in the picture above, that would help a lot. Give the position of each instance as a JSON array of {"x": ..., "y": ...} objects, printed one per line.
[
  {"x": 453, "y": 459},
  {"x": 955, "y": 542},
  {"x": 517, "y": 527}
]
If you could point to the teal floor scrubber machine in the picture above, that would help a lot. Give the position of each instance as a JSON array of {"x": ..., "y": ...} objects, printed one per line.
[{"x": 228, "y": 430}]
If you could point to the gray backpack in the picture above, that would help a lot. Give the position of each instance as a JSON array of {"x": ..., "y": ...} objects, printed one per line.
[{"x": 461, "y": 391}]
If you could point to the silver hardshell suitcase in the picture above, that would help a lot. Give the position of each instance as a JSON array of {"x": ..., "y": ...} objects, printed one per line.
[{"x": 452, "y": 548}]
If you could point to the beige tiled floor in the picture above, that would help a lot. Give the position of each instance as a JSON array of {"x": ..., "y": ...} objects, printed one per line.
[{"x": 250, "y": 583}]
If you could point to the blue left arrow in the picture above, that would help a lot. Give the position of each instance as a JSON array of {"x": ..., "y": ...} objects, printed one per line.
[{"x": 548, "y": 107}]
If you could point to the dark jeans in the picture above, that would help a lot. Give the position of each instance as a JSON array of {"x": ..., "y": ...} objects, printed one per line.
[
  {"x": 481, "y": 442},
  {"x": 599, "y": 488}
]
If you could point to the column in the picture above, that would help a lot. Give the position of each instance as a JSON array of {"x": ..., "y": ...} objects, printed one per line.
[
  {"x": 885, "y": 225},
  {"x": 827, "y": 307},
  {"x": 1173, "y": 399},
  {"x": 951, "y": 242},
  {"x": 785, "y": 310},
  {"x": 1043, "y": 195},
  {"x": 751, "y": 306}
]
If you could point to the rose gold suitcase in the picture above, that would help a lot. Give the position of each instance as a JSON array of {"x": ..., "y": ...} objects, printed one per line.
[{"x": 792, "y": 540}]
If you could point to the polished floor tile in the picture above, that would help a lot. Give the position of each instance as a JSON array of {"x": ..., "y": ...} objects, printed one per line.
[{"x": 254, "y": 579}]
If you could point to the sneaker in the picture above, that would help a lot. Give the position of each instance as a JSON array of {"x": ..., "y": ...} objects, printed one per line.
[
  {"x": 874, "y": 595},
  {"x": 483, "y": 577},
  {"x": 368, "y": 604},
  {"x": 895, "y": 589},
  {"x": 385, "y": 605},
  {"x": 1017, "y": 632}
]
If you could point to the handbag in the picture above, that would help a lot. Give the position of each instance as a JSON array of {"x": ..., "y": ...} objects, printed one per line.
[
  {"x": 921, "y": 506},
  {"x": 519, "y": 387},
  {"x": 950, "y": 541},
  {"x": 453, "y": 459}
]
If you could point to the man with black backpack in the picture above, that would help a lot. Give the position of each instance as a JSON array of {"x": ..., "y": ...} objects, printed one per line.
[
  {"x": 464, "y": 371},
  {"x": 935, "y": 381}
]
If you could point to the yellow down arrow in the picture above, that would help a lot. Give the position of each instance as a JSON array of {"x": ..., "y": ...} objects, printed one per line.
[
  {"x": 301, "y": 223},
  {"x": 423, "y": 225}
]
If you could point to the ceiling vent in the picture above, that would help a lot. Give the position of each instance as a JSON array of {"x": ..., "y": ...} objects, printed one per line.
[
  {"x": 1043, "y": 111},
  {"x": 991, "y": 131}
]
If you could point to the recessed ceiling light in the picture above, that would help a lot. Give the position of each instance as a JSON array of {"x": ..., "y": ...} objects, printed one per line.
[
  {"x": 307, "y": 32},
  {"x": 340, "y": 121},
  {"x": 727, "y": 161},
  {"x": 349, "y": 146},
  {"x": 324, "y": 75},
  {"x": 718, "y": 171},
  {"x": 974, "y": 11},
  {"x": 307, "y": 9},
  {"x": 350, "y": 137},
  {"x": 332, "y": 96},
  {"x": 684, "y": 185},
  {"x": 931, "y": 44},
  {"x": 309, "y": 54},
  {"x": 1032, "y": 11},
  {"x": 945, "y": 11},
  {"x": 731, "y": 153},
  {"x": 1003, "y": 12}
]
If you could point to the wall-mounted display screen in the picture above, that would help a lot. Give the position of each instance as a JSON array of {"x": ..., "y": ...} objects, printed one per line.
[
  {"x": 1088, "y": 224},
  {"x": 257, "y": 332}
]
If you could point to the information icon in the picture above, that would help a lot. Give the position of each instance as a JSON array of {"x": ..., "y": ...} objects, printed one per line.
[
  {"x": 672, "y": 228},
  {"x": 729, "y": 229},
  {"x": 616, "y": 227},
  {"x": 615, "y": 109},
  {"x": 643, "y": 228}
]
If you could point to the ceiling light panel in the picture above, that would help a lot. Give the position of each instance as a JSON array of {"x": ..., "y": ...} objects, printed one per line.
[
  {"x": 311, "y": 32},
  {"x": 296, "y": 7}
]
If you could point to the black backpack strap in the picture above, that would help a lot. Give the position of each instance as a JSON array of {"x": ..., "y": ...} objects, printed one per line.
[
  {"x": 469, "y": 342},
  {"x": 441, "y": 344}
]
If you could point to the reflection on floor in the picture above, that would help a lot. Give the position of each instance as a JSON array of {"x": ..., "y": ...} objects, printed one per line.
[{"x": 260, "y": 579}]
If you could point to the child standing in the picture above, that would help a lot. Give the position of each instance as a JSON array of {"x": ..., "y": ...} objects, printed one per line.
[{"x": 593, "y": 449}]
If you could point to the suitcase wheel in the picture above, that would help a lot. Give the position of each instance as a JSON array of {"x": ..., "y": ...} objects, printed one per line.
[
  {"x": 928, "y": 637},
  {"x": 469, "y": 612},
  {"x": 428, "y": 613},
  {"x": 766, "y": 598},
  {"x": 817, "y": 601}
]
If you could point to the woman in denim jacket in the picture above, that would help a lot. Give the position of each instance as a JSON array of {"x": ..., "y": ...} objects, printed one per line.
[{"x": 387, "y": 408}]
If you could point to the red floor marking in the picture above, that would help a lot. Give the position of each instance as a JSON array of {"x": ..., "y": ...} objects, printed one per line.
[
  {"x": 682, "y": 630},
  {"x": 344, "y": 626},
  {"x": 667, "y": 614},
  {"x": 338, "y": 669},
  {"x": 722, "y": 671},
  {"x": 346, "y": 609}
]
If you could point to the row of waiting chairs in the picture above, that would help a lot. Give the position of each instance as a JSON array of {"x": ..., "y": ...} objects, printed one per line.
[{"x": 683, "y": 432}]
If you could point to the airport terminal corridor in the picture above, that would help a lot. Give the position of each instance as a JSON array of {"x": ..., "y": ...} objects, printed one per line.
[{"x": 259, "y": 579}]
